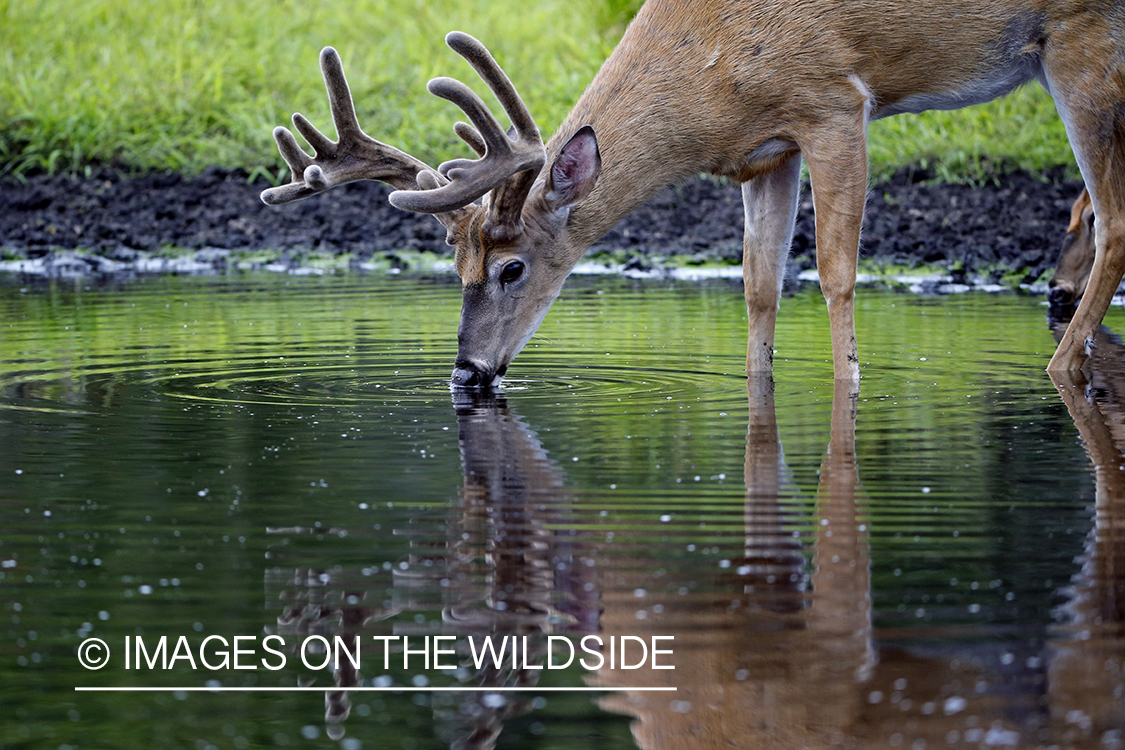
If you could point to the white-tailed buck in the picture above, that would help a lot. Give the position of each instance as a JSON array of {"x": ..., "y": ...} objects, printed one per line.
[
  {"x": 743, "y": 89},
  {"x": 1076, "y": 258}
]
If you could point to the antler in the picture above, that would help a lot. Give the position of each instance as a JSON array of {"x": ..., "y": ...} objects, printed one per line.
[
  {"x": 509, "y": 161},
  {"x": 356, "y": 156},
  {"x": 508, "y": 165}
]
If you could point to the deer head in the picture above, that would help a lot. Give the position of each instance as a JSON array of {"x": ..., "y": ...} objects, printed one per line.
[
  {"x": 505, "y": 213},
  {"x": 1076, "y": 260}
]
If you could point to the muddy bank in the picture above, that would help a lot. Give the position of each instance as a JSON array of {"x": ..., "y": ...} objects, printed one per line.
[{"x": 109, "y": 223}]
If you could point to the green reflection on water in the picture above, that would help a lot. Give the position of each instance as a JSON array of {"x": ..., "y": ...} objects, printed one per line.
[{"x": 175, "y": 449}]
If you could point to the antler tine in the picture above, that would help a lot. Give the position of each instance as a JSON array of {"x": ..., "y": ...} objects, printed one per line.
[
  {"x": 508, "y": 162},
  {"x": 492, "y": 74},
  {"x": 355, "y": 156},
  {"x": 487, "y": 129},
  {"x": 470, "y": 136}
]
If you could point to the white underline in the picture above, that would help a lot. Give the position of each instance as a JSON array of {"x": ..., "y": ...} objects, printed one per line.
[{"x": 314, "y": 689}]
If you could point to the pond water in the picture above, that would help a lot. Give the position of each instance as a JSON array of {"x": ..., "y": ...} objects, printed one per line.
[{"x": 246, "y": 485}]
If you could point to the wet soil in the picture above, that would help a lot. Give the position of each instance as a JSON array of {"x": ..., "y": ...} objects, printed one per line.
[{"x": 109, "y": 222}]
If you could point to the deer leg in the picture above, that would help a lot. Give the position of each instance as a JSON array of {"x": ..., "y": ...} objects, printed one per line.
[
  {"x": 1105, "y": 276},
  {"x": 838, "y": 174},
  {"x": 770, "y": 206},
  {"x": 1090, "y": 99}
]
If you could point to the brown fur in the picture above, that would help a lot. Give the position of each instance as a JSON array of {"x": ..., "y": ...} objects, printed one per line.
[{"x": 746, "y": 89}]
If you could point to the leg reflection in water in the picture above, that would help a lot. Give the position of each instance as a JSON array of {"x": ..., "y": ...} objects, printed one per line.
[
  {"x": 785, "y": 655},
  {"x": 1087, "y": 672},
  {"x": 771, "y": 657}
]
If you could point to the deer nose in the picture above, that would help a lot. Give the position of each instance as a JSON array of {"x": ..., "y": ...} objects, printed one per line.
[
  {"x": 1059, "y": 295},
  {"x": 469, "y": 375}
]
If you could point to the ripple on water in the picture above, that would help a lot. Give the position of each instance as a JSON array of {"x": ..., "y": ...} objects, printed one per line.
[{"x": 628, "y": 483}]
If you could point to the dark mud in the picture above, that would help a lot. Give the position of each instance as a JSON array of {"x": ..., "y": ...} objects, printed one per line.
[{"x": 109, "y": 223}]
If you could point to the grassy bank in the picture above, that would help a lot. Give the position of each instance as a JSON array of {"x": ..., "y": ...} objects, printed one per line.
[{"x": 187, "y": 84}]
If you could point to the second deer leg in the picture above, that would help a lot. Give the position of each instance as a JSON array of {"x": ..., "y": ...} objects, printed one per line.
[
  {"x": 770, "y": 206},
  {"x": 1091, "y": 99},
  {"x": 838, "y": 174}
]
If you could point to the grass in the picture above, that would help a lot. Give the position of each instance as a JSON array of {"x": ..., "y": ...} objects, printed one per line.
[
  {"x": 188, "y": 84},
  {"x": 1021, "y": 130}
]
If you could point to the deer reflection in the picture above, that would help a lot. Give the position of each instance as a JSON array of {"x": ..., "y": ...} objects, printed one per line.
[
  {"x": 514, "y": 569},
  {"x": 810, "y": 674},
  {"x": 509, "y": 566},
  {"x": 1088, "y": 664},
  {"x": 776, "y": 650},
  {"x": 762, "y": 661}
]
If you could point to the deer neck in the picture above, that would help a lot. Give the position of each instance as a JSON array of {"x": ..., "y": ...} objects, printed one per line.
[
  {"x": 638, "y": 159},
  {"x": 634, "y": 168},
  {"x": 657, "y": 123}
]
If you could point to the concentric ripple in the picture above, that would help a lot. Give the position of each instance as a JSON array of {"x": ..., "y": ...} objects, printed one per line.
[{"x": 316, "y": 341}]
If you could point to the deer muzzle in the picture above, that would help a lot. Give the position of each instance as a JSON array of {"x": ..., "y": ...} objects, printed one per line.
[
  {"x": 1061, "y": 294},
  {"x": 468, "y": 374}
]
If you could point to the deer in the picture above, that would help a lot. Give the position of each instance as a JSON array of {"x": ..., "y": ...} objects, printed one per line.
[
  {"x": 741, "y": 89},
  {"x": 1076, "y": 258}
]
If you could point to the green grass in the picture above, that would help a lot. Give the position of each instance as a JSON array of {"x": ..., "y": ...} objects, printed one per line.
[
  {"x": 187, "y": 84},
  {"x": 1021, "y": 130}
]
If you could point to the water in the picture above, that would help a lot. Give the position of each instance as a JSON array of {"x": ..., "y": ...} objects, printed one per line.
[{"x": 938, "y": 562}]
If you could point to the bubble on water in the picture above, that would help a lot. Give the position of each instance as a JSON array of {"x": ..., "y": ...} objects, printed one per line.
[
  {"x": 494, "y": 700},
  {"x": 953, "y": 704},
  {"x": 997, "y": 736}
]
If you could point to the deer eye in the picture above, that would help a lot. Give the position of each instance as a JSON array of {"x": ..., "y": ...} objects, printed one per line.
[{"x": 511, "y": 272}]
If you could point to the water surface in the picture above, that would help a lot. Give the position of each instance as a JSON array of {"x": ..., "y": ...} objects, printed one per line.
[{"x": 934, "y": 562}]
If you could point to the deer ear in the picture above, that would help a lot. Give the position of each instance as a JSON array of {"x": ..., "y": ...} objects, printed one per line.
[{"x": 575, "y": 170}]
